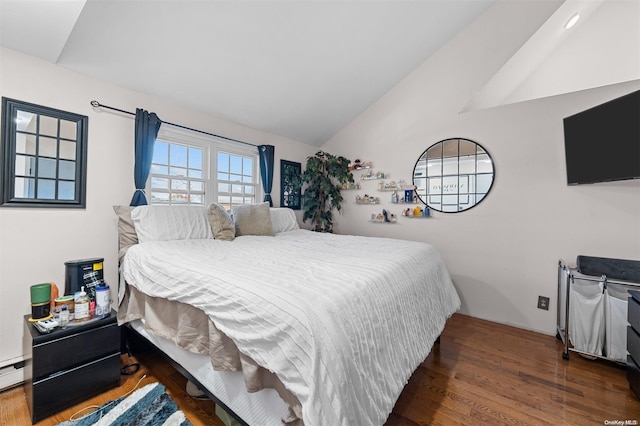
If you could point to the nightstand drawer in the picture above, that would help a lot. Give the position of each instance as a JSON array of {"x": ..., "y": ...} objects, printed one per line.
[
  {"x": 633, "y": 375},
  {"x": 72, "y": 350},
  {"x": 633, "y": 312},
  {"x": 633, "y": 344},
  {"x": 70, "y": 387}
]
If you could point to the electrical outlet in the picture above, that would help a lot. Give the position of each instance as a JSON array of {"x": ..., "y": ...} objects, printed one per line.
[{"x": 543, "y": 303}]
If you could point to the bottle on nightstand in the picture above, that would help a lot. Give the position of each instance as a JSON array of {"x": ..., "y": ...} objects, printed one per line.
[{"x": 82, "y": 305}]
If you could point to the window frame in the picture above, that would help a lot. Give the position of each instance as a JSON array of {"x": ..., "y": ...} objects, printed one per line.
[
  {"x": 210, "y": 145},
  {"x": 185, "y": 139},
  {"x": 10, "y": 109}
]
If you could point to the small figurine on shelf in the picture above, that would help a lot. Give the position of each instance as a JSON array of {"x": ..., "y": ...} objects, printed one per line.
[
  {"x": 417, "y": 211},
  {"x": 394, "y": 197},
  {"x": 384, "y": 217},
  {"x": 366, "y": 199},
  {"x": 368, "y": 175},
  {"x": 349, "y": 185},
  {"x": 358, "y": 164},
  {"x": 389, "y": 217},
  {"x": 408, "y": 195}
]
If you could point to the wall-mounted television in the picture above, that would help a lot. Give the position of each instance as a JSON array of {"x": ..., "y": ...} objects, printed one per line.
[{"x": 603, "y": 143}]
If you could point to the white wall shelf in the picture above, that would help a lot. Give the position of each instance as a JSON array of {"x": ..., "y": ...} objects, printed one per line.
[{"x": 367, "y": 199}]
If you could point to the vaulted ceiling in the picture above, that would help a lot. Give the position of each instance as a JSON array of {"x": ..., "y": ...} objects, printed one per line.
[{"x": 301, "y": 69}]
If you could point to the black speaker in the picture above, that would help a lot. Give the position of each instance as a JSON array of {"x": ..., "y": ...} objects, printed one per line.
[{"x": 87, "y": 273}]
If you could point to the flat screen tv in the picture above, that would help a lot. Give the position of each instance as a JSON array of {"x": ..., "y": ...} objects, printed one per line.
[{"x": 603, "y": 143}]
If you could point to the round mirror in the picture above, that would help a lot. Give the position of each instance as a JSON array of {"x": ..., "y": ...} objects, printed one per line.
[{"x": 453, "y": 175}]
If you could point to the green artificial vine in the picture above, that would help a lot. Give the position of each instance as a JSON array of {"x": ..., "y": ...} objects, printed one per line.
[{"x": 324, "y": 175}]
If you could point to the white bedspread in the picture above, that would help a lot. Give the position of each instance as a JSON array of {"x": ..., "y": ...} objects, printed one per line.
[{"x": 343, "y": 321}]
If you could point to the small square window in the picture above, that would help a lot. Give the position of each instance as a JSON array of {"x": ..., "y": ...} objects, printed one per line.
[{"x": 45, "y": 156}]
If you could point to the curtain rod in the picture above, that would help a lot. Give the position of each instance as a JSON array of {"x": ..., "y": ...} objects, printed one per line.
[{"x": 97, "y": 104}]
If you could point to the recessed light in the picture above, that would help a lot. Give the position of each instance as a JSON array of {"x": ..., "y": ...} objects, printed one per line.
[{"x": 572, "y": 21}]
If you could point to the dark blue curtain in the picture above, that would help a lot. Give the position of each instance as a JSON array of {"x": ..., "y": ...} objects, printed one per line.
[
  {"x": 266, "y": 170},
  {"x": 147, "y": 126}
]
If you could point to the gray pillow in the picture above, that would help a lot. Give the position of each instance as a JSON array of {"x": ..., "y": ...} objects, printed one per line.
[
  {"x": 127, "y": 235},
  {"x": 221, "y": 223},
  {"x": 252, "y": 219}
]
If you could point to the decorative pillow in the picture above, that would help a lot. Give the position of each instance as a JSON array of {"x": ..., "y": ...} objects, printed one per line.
[
  {"x": 252, "y": 219},
  {"x": 221, "y": 223},
  {"x": 127, "y": 236},
  {"x": 283, "y": 219},
  {"x": 163, "y": 223}
]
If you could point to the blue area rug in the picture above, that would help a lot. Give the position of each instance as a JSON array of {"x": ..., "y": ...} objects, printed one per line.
[{"x": 148, "y": 406}]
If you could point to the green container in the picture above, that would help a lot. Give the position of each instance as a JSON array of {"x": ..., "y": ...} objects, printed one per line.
[{"x": 40, "y": 293}]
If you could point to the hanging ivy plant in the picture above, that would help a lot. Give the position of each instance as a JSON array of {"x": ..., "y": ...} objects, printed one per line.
[{"x": 324, "y": 176}]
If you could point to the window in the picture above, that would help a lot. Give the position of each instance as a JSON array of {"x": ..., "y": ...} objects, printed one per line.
[
  {"x": 236, "y": 181},
  {"x": 44, "y": 156},
  {"x": 177, "y": 174},
  {"x": 191, "y": 168}
]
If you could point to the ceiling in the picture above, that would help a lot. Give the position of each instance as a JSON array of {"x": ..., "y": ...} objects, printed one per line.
[
  {"x": 300, "y": 69},
  {"x": 304, "y": 69}
]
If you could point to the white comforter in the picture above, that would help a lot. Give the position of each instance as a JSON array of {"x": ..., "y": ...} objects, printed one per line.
[{"x": 343, "y": 321}]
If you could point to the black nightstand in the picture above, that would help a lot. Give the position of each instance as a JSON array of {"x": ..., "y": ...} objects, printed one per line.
[
  {"x": 633, "y": 341},
  {"x": 68, "y": 366}
]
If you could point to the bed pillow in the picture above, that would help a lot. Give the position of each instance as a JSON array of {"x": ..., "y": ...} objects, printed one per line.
[
  {"x": 221, "y": 223},
  {"x": 252, "y": 219},
  {"x": 127, "y": 235},
  {"x": 283, "y": 219},
  {"x": 163, "y": 223},
  {"x": 126, "y": 230}
]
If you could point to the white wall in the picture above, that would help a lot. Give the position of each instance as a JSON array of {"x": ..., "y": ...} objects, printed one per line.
[
  {"x": 504, "y": 252},
  {"x": 35, "y": 242},
  {"x": 598, "y": 53}
]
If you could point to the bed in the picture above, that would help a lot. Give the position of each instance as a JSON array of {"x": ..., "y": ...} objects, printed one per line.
[{"x": 280, "y": 324}]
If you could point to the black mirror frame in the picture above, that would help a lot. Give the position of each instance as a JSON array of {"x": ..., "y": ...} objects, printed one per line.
[
  {"x": 10, "y": 108},
  {"x": 493, "y": 173},
  {"x": 290, "y": 172}
]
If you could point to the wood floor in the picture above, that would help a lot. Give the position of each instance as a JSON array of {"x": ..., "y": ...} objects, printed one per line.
[{"x": 481, "y": 373}]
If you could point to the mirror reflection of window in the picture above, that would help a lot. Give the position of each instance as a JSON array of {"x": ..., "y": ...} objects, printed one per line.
[
  {"x": 453, "y": 175},
  {"x": 45, "y": 156}
]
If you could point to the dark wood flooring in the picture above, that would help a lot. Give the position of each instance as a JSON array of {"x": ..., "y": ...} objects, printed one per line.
[{"x": 481, "y": 373}]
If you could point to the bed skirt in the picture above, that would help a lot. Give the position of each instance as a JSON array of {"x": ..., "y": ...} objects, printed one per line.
[{"x": 191, "y": 329}]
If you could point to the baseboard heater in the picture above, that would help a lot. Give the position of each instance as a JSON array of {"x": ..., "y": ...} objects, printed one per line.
[{"x": 11, "y": 375}]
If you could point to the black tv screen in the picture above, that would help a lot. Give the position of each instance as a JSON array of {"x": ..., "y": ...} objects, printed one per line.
[{"x": 603, "y": 143}]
